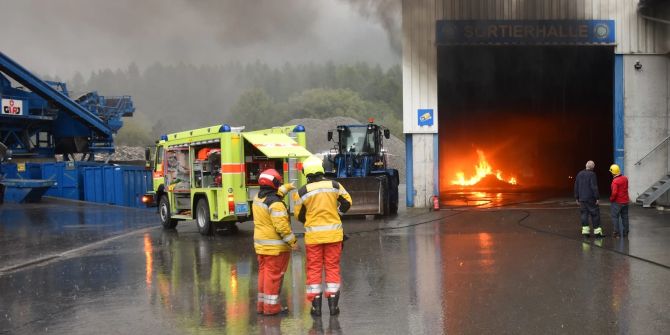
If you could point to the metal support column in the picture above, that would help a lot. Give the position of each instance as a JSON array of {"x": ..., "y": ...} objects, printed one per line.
[
  {"x": 618, "y": 112},
  {"x": 409, "y": 170}
]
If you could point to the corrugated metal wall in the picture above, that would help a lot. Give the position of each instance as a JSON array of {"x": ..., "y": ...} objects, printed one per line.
[{"x": 419, "y": 61}]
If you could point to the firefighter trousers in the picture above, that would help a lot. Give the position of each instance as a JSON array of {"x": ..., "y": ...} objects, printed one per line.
[
  {"x": 322, "y": 257},
  {"x": 589, "y": 208},
  {"x": 271, "y": 271}
]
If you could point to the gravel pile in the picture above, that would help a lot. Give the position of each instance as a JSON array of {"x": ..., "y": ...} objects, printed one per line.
[
  {"x": 124, "y": 154},
  {"x": 317, "y": 139}
]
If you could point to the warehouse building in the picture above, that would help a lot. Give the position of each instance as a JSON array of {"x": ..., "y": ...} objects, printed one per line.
[{"x": 517, "y": 94}]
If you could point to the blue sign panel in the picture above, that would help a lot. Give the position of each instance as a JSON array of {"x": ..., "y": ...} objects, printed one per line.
[
  {"x": 425, "y": 117},
  {"x": 537, "y": 32}
]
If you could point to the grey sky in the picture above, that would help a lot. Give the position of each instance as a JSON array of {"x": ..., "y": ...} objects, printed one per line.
[{"x": 60, "y": 37}]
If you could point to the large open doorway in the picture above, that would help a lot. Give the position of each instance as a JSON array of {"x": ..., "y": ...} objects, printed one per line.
[{"x": 523, "y": 118}]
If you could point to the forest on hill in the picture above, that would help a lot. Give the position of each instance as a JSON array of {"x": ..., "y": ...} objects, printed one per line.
[{"x": 171, "y": 98}]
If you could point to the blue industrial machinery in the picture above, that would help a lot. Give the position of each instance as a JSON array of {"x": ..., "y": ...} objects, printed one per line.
[
  {"x": 359, "y": 162},
  {"x": 40, "y": 119}
]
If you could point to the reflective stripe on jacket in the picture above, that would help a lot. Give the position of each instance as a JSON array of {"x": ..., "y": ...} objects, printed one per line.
[
  {"x": 272, "y": 227},
  {"x": 319, "y": 206}
]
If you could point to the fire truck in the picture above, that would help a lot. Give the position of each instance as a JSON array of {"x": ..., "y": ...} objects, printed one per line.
[{"x": 210, "y": 174}]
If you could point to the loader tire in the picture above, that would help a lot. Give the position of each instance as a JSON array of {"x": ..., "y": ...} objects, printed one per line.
[
  {"x": 393, "y": 196},
  {"x": 384, "y": 198}
]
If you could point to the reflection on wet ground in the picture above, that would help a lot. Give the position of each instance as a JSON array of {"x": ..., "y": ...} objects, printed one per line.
[
  {"x": 486, "y": 199},
  {"x": 455, "y": 271},
  {"x": 29, "y": 231}
]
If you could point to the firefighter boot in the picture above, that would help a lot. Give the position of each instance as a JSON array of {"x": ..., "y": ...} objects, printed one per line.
[
  {"x": 316, "y": 306},
  {"x": 332, "y": 303},
  {"x": 598, "y": 232}
]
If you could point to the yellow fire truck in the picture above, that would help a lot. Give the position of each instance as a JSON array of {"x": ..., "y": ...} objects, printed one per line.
[{"x": 211, "y": 174}]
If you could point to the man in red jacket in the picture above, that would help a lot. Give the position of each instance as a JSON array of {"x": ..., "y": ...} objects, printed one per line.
[{"x": 619, "y": 200}]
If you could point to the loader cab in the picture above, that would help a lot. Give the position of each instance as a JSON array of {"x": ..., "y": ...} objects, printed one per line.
[{"x": 360, "y": 139}]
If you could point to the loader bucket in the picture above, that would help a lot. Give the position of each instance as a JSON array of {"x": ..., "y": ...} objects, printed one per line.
[{"x": 368, "y": 195}]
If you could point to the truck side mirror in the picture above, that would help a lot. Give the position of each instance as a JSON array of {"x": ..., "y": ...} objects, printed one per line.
[
  {"x": 387, "y": 133},
  {"x": 148, "y": 163},
  {"x": 330, "y": 136}
]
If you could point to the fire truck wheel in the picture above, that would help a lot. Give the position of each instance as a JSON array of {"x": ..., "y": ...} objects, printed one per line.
[
  {"x": 202, "y": 217},
  {"x": 164, "y": 211}
]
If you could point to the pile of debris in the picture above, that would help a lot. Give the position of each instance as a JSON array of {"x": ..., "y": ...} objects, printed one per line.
[
  {"x": 123, "y": 154},
  {"x": 317, "y": 140}
]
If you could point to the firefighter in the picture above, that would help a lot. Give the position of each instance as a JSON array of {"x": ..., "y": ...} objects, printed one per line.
[
  {"x": 586, "y": 195},
  {"x": 319, "y": 205},
  {"x": 273, "y": 240}
]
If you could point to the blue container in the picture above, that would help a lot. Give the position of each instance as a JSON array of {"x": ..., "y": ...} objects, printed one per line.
[
  {"x": 25, "y": 190},
  {"x": 33, "y": 171},
  {"x": 92, "y": 185},
  {"x": 65, "y": 176},
  {"x": 69, "y": 177},
  {"x": 121, "y": 185},
  {"x": 9, "y": 170}
]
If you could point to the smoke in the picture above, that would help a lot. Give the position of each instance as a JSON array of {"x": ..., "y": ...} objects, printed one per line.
[
  {"x": 388, "y": 13},
  {"x": 67, "y": 36},
  {"x": 243, "y": 23}
]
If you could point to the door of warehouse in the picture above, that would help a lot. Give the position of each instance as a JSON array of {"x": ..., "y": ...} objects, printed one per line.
[{"x": 525, "y": 115}]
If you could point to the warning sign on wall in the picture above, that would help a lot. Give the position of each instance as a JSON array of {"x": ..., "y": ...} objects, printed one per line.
[
  {"x": 425, "y": 117},
  {"x": 12, "y": 107}
]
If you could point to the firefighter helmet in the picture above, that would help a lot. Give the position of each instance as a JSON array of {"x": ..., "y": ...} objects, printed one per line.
[
  {"x": 615, "y": 170},
  {"x": 270, "y": 177},
  {"x": 312, "y": 165}
]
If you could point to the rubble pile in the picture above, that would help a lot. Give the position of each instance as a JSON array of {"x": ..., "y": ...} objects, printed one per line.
[
  {"x": 317, "y": 140},
  {"x": 123, "y": 154}
]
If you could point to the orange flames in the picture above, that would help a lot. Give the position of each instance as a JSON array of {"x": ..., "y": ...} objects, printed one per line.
[{"x": 482, "y": 169}]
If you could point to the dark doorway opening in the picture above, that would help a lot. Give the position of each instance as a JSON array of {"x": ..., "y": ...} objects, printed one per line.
[{"x": 535, "y": 114}]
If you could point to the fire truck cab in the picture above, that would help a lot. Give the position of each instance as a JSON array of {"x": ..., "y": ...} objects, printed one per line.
[{"x": 210, "y": 174}]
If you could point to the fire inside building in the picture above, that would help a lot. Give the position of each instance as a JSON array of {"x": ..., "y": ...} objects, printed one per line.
[{"x": 504, "y": 97}]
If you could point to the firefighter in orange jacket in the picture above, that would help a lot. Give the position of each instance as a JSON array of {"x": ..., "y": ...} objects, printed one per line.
[
  {"x": 319, "y": 205},
  {"x": 273, "y": 240}
]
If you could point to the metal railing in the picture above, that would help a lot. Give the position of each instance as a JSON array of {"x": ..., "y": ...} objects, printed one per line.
[{"x": 639, "y": 162}]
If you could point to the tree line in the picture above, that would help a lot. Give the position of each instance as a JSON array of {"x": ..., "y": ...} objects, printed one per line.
[{"x": 171, "y": 98}]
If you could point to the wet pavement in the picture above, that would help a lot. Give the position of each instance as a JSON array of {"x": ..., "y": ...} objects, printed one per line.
[
  {"x": 521, "y": 268},
  {"x": 41, "y": 231}
]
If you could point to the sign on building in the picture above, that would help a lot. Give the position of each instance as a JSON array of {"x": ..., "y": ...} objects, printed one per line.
[
  {"x": 525, "y": 32},
  {"x": 425, "y": 117}
]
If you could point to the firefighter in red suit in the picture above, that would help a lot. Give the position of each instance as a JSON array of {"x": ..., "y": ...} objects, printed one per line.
[
  {"x": 619, "y": 199},
  {"x": 273, "y": 240},
  {"x": 319, "y": 205}
]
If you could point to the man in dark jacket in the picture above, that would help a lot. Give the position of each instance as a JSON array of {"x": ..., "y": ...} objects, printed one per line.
[{"x": 586, "y": 195}]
